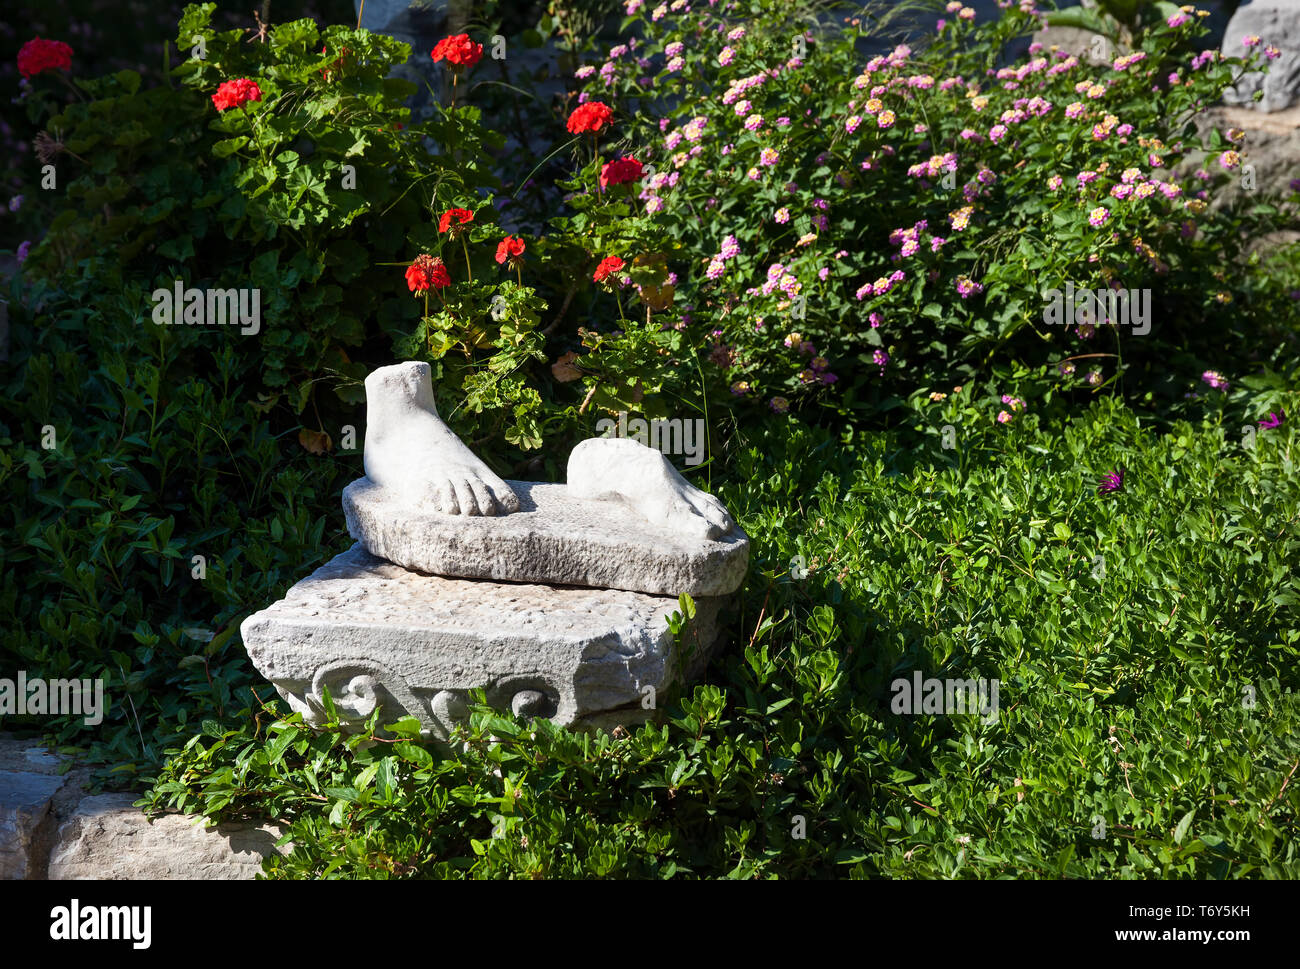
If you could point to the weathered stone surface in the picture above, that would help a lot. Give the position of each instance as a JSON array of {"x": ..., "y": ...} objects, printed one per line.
[
  {"x": 107, "y": 838},
  {"x": 554, "y": 538},
  {"x": 1275, "y": 22},
  {"x": 25, "y": 799},
  {"x": 377, "y": 634},
  {"x": 1270, "y": 149}
]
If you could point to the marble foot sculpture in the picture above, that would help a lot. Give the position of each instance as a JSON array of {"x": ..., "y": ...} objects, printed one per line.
[
  {"x": 619, "y": 468},
  {"x": 414, "y": 456},
  {"x": 552, "y": 598},
  {"x": 626, "y": 519}
]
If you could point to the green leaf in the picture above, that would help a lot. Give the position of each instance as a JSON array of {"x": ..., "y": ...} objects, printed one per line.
[
  {"x": 414, "y": 753},
  {"x": 227, "y": 147}
]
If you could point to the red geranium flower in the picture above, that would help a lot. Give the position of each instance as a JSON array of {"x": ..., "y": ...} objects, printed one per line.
[
  {"x": 39, "y": 55},
  {"x": 338, "y": 62},
  {"x": 235, "y": 94},
  {"x": 620, "y": 172},
  {"x": 459, "y": 51},
  {"x": 591, "y": 116},
  {"x": 454, "y": 220},
  {"x": 511, "y": 248},
  {"x": 427, "y": 272},
  {"x": 610, "y": 264}
]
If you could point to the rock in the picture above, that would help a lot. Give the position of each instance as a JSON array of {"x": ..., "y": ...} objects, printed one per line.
[
  {"x": 421, "y": 24},
  {"x": 1275, "y": 22},
  {"x": 1269, "y": 152},
  {"x": 25, "y": 799},
  {"x": 553, "y": 538},
  {"x": 1089, "y": 47},
  {"x": 376, "y": 634},
  {"x": 40, "y": 757},
  {"x": 108, "y": 838}
]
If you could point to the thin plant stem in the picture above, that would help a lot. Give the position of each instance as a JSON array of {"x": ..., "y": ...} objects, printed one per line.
[
  {"x": 465, "y": 246},
  {"x": 252, "y": 123},
  {"x": 67, "y": 81},
  {"x": 704, "y": 396}
]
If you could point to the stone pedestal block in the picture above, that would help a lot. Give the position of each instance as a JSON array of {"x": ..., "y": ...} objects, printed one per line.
[
  {"x": 376, "y": 634},
  {"x": 554, "y": 539}
]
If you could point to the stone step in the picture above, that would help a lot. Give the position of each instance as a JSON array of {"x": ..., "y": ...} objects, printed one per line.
[
  {"x": 377, "y": 634},
  {"x": 25, "y": 801},
  {"x": 107, "y": 838},
  {"x": 50, "y": 827}
]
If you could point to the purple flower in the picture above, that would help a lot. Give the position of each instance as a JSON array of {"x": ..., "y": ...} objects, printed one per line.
[
  {"x": 1111, "y": 482},
  {"x": 23, "y": 248},
  {"x": 1215, "y": 379},
  {"x": 1273, "y": 420},
  {"x": 15, "y": 203}
]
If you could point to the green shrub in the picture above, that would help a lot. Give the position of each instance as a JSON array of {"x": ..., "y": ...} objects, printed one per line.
[
  {"x": 843, "y": 229},
  {"x": 171, "y": 442}
]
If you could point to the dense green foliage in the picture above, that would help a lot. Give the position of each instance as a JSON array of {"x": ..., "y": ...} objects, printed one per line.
[
  {"x": 1155, "y": 694},
  {"x": 130, "y": 447}
]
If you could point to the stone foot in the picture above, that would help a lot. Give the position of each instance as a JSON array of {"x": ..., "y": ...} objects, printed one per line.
[
  {"x": 412, "y": 454},
  {"x": 646, "y": 480}
]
